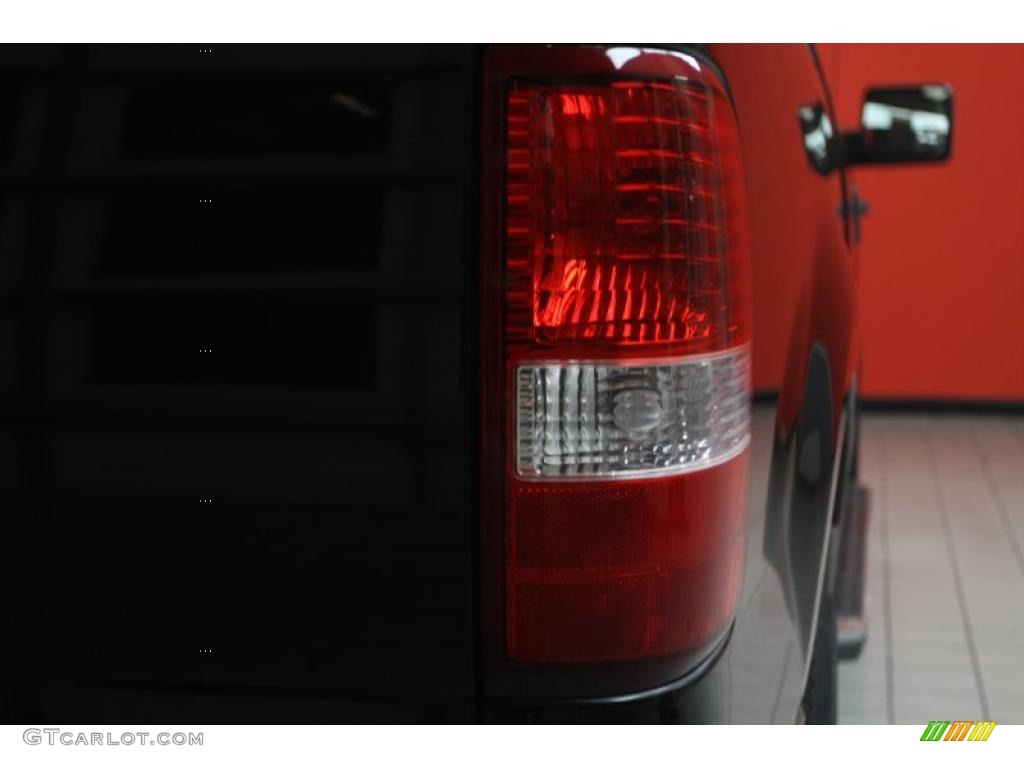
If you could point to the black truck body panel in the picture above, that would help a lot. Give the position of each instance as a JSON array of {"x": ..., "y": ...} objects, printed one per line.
[{"x": 240, "y": 305}]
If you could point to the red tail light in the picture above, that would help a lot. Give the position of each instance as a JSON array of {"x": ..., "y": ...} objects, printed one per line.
[{"x": 619, "y": 394}]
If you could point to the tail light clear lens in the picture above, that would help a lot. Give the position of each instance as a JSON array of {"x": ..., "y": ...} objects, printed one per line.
[
  {"x": 623, "y": 376},
  {"x": 660, "y": 418}
]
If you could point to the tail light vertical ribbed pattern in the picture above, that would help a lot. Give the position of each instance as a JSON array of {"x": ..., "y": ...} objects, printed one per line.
[
  {"x": 625, "y": 363},
  {"x": 615, "y": 231}
]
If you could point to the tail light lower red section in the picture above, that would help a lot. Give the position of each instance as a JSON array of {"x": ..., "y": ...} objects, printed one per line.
[{"x": 624, "y": 570}]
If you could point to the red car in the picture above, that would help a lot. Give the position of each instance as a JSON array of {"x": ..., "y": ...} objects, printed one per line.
[{"x": 431, "y": 383}]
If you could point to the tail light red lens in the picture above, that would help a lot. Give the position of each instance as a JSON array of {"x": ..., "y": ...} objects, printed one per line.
[
  {"x": 624, "y": 570},
  {"x": 615, "y": 219},
  {"x": 625, "y": 353}
]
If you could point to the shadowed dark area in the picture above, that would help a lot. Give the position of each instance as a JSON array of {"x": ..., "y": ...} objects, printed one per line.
[{"x": 235, "y": 293}]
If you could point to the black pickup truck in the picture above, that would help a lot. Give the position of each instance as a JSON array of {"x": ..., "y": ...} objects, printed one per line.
[{"x": 416, "y": 383}]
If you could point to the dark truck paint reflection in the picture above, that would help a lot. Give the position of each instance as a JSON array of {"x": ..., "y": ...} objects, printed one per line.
[{"x": 245, "y": 309}]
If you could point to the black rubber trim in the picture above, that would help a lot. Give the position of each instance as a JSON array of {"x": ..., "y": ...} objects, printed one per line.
[
  {"x": 912, "y": 405},
  {"x": 915, "y": 405},
  {"x": 691, "y": 677}
]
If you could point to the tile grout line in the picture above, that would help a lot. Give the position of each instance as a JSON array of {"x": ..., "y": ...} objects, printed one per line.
[
  {"x": 961, "y": 598},
  {"x": 1004, "y": 516},
  {"x": 890, "y": 698}
]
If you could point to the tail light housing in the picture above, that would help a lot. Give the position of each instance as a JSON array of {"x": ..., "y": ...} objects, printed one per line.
[{"x": 616, "y": 377}]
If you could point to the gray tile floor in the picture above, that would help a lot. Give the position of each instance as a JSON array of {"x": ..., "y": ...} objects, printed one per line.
[{"x": 945, "y": 582}]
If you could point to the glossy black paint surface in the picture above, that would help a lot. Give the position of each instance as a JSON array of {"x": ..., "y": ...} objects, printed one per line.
[
  {"x": 334, "y": 274},
  {"x": 237, "y": 426}
]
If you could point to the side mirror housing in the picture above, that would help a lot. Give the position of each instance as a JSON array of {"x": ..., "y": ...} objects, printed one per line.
[{"x": 903, "y": 124}]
